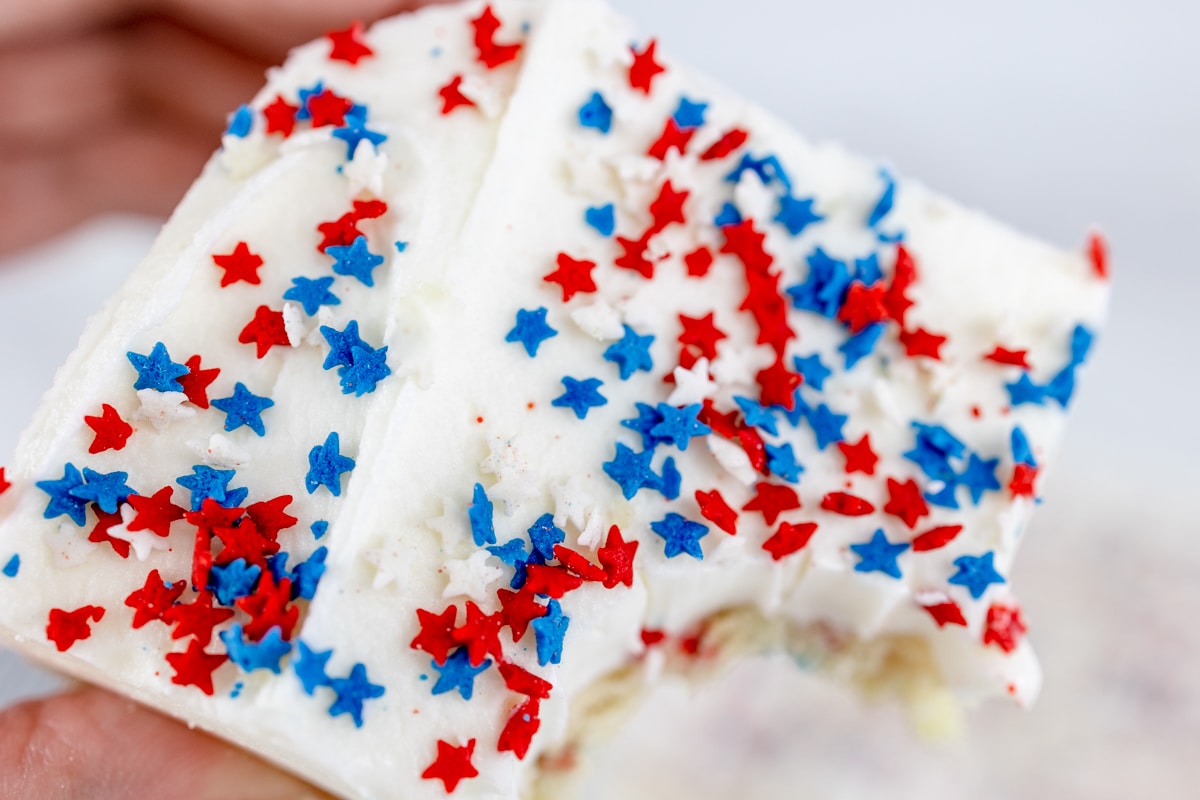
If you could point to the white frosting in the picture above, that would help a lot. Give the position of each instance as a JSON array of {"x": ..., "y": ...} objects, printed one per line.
[{"x": 485, "y": 199}]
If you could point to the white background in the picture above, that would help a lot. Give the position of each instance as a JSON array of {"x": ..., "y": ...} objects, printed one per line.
[{"x": 1052, "y": 116}]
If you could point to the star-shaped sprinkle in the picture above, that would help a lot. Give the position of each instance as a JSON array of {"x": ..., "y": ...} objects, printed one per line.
[
  {"x": 935, "y": 538},
  {"x": 5, "y": 484},
  {"x": 195, "y": 667},
  {"x": 266, "y": 654},
  {"x": 457, "y": 673},
  {"x": 105, "y": 525},
  {"x": 265, "y": 331},
  {"x": 680, "y": 535},
  {"x": 280, "y": 116},
  {"x": 596, "y": 114},
  {"x": 846, "y": 504},
  {"x": 354, "y": 133},
  {"x": 243, "y": 407},
  {"x": 859, "y": 455},
  {"x": 518, "y": 731},
  {"x": 694, "y": 385},
  {"x": 812, "y": 370},
  {"x": 268, "y": 607},
  {"x": 157, "y": 371},
  {"x": 452, "y": 765},
  {"x": 11, "y": 567},
  {"x": 356, "y": 260},
  {"x": 778, "y": 386},
  {"x": 772, "y": 500},
  {"x": 240, "y": 265},
  {"x": 678, "y": 425},
  {"x": 602, "y": 219},
  {"x": 1022, "y": 482},
  {"x": 480, "y": 634},
  {"x": 347, "y": 45},
  {"x": 471, "y": 577},
  {"x": 436, "y": 636},
  {"x": 241, "y": 122},
  {"x": 1012, "y": 358},
  {"x": 574, "y": 276},
  {"x": 367, "y": 367},
  {"x": 480, "y": 513},
  {"x": 549, "y": 631},
  {"x": 905, "y": 501},
  {"x": 1024, "y": 391},
  {"x": 630, "y": 470},
  {"x": 365, "y": 173},
  {"x": 208, "y": 483},
  {"x": 517, "y": 610},
  {"x": 580, "y": 395},
  {"x": 106, "y": 489},
  {"x": 796, "y": 214},
  {"x": 234, "y": 580},
  {"x": 452, "y": 96},
  {"x": 976, "y": 573},
  {"x": 311, "y": 294},
  {"x": 789, "y": 538},
  {"x": 154, "y": 599},
  {"x": 879, "y": 555},
  {"x": 644, "y": 68},
  {"x": 714, "y": 509},
  {"x": 980, "y": 476},
  {"x": 197, "y": 618},
  {"x": 616, "y": 557},
  {"x": 326, "y": 465},
  {"x": 698, "y": 262},
  {"x": 65, "y": 628},
  {"x": 826, "y": 425},
  {"x": 1004, "y": 627},
  {"x": 922, "y": 343},
  {"x": 757, "y": 416},
  {"x": 631, "y": 353},
  {"x": 781, "y": 460},
  {"x": 689, "y": 114},
  {"x": 325, "y": 108},
  {"x": 309, "y": 667},
  {"x": 490, "y": 53},
  {"x": 111, "y": 431},
  {"x": 531, "y": 329},
  {"x": 196, "y": 382},
  {"x": 701, "y": 333},
  {"x": 352, "y": 691},
  {"x": 942, "y": 609},
  {"x": 861, "y": 344},
  {"x": 729, "y": 142},
  {"x": 342, "y": 345}
]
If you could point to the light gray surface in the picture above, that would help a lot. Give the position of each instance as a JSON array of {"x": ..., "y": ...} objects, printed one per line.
[{"x": 1050, "y": 115}]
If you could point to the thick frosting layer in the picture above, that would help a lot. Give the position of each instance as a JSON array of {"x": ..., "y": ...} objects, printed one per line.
[{"x": 839, "y": 461}]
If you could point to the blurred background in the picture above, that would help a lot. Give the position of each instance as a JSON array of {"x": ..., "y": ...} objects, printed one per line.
[{"x": 1052, "y": 115}]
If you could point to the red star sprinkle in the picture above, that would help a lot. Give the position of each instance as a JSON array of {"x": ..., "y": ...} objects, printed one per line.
[
  {"x": 573, "y": 276},
  {"x": 196, "y": 382},
  {"x": 904, "y": 275},
  {"x": 155, "y": 512},
  {"x": 269, "y": 516},
  {"x": 481, "y": 634},
  {"x": 778, "y": 385},
  {"x": 847, "y": 505},
  {"x": 269, "y": 608},
  {"x": 194, "y": 667},
  {"x": 789, "y": 538},
  {"x": 1004, "y": 628},
  {"x": 197, "y": 618},
  {"x": 518, "y": 609},
  {"x": 754, "y": 446},
  {"x": 1023, "y": 477},
  {"x": 327, "y": 108},
  {"x": 154, "y": 599},
  {"x": 202, "y": 559},
  {"x": 551, "y": 581},
  {"x": 240, "y": 265},
  {"x": 1012, "y": 358},
  {"x": 452, "y": 96},
  {"x": 748, "y": 245},
  {"x": 617, "y": 559},
  {"x": 340, "y": 233},
  {"x": 281, "y": 116},
  {"x": 651, "y": 638},
  {"x": 728, "y": 143},
  {"x": 112, "y": 432},
  {"x": 348, "y": 45},
  {"x": 667, "y": 208},
  {"x": 945, "y": 612},
  {"x": 937, "y": 537},
  {"x": 491, "y": 54},
  {"x": 68, "y": 627},
  {"x": 1097, "y": 251},
  {"x": 265, "y": 331},
  {"x": 633, "y": 255},
  {"x": 714, "y": 509},
  {"x": 722, "y": 424},
  {"x": 214, "y": 515},
  {"x": 863, "y": 306},
  {"x": 672, "y": 138},
  {"x": 859, "y": 455},
  {"x": 644, "y": 68},
  {"x": 922, "y": 343},
  {"x": 518, "y": 731},
  {"x": 905, "y": 501},
  {"x": 99, "y": 534},
  {"x": 453, "y": 764},
  {"x": 772, "y": 500},
  {"x": 524, "y": 682},
  {"x": 698, "y": 261},
  {"x": 244, "y": 541},
  {"x": 701, "y": 333},
  {"x": 437, "y": 633},
  {"x": 578, "y": 564},
  {"x": 5, "y": 485}
]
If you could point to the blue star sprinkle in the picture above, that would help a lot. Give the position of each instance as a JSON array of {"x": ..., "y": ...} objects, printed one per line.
[
  {"x": 689, "y": 115},
  {"x": 514, "y": 554},
  {"x": 312, "y": 293},
  {"x": 544, "y": 534},
  {"x": 980, "y": 477},
  {"x": 106, "y": 489},
  {"x": 63, "y": 501},
  {"x": 602, "y": 218},
  {"x": 1022, "y": 453},
  {"x": 12, "y": 567},
  {"x": 781, "y": 460},
  {"x": 479, "y": 512},
  {"x": 310, "y": 667},
  {"x": 825, "y": 287},
  {"x": 308, "y": 574},
  {"x": 326, "y": 465},
  {"x": 596, "y": 114},
  {"x": 366, "y": 369},
  {"x": 768, "y": 169},
  {"x": 233, "y": 580},
  {"x": 342, "y": 344},
  {"x": 305, "y": 95},
  {"x": 241, "y": 122},
  {"x": 935, "y": 446},
  {"x": 355, "y": 260},
  {"x": 757, "y": 415},
  {"x": 351, "y": 691},
  {"x": 976, "y": 573},
  {"x": 355, "y": 132},
  {"x": 669, "y": 483},
  {"x": 647, "y": 419},
  {"x": 800, "y": 409},
  {"x": 243, "y": 407},
  {"x": 319, "y": 528},
  {"x": 728, "y": 215},
  {"x": 1062, "y": 386},
  {"x": 207, "y": 483},
  {"x": 401, "y": 247},
  {"x": 630, "y": 470},
  {"x": 1081, "y": 344},
  {"x": 631, "y": 353},
  {"x": 264, "y": 655},
  {"x": 861, "y": 344},
  {"x": 457, "y": 673},
  {"x": 580, "y": 395},
  {"x": 679, "y": 425},
  {"x": 1024, "y": 391},
  {"x": 812, "y": 370},
  {"x": 884, "y": 205},
  {"x": 277, "y": 566},
  {"x": 879, "y": 555},
  {"x": 157, "y": 371},
  {"x": 680, "y": 535},
  {"x": 867, "y": 270},
  {"x": 826, "y": 425},
  {"x": 944, "y": 497},
  {"x": 796, "y": 214},
  {"x": 531, "y": 329},
  {"x": 549, "y": 631}
]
